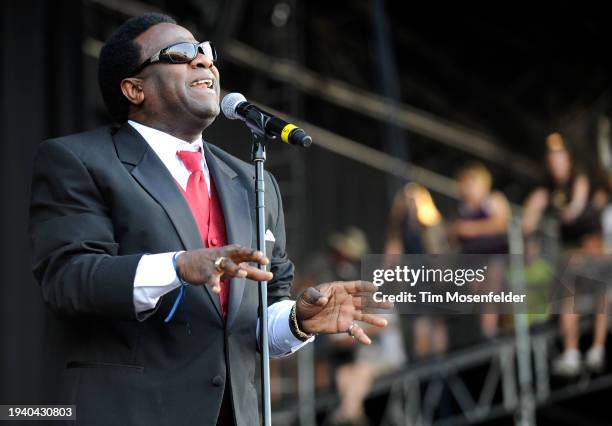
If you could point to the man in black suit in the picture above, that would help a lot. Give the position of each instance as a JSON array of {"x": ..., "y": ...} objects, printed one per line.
[{"x": 160, "y": 313}]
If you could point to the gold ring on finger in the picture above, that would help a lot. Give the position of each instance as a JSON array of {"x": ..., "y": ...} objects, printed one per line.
[{"x": 219, "y": 262}]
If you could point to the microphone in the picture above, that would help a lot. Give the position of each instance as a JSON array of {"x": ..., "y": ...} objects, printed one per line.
[{"x": 235, "y": 106}]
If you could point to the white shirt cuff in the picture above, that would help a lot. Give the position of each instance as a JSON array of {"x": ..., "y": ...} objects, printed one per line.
[
  {"x": 155, "y": 277},
  {"x": 281, "y": 340}
]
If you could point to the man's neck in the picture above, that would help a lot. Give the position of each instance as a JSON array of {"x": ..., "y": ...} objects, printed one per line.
[{"x": 190, "y": 135}]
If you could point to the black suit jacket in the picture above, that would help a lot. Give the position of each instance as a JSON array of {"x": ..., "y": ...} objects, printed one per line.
[{"x": 102, "y": 199}]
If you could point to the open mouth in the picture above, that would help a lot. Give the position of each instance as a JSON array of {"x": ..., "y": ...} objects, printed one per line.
[{"x": 204, "y": 83}]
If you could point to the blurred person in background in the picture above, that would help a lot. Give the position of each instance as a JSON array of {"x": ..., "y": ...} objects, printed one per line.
[
  {"x": 416, "y": 227},
  {"x": 566, "y": 196},
  {"x": 415, "y": 223},
  {"x": 480, "y": 227},
  {"x": 538, "y": 275},
  {"x": 354, "y": 369},
  {"x": 342, "y": 258},
  {"x": 603, "y": 199}
]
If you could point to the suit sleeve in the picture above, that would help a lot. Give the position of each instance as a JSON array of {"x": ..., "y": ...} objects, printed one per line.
[
  {"x": 280, "y": 265},
  {"x": 74, "y": 254}
]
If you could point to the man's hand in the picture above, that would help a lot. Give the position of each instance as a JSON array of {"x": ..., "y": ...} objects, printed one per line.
[
  {"x": 197, "y": 267},
  {"x": 332, "y": 308}
]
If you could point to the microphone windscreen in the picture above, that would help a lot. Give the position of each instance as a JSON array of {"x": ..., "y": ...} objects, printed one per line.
[{"x": 229, "y": 104}]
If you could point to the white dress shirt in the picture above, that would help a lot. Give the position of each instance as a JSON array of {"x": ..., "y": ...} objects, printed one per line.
[{"x": 155, "y": 274}]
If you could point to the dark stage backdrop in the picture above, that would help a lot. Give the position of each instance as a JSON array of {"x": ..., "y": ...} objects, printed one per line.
[
  {"x": 40, "y": 57},
  {"x": 49, "y": 88}
]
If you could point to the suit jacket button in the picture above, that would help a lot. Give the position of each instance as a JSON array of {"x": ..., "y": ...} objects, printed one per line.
[
  {"x": 217, "y": 381},
  {"x": 214, "y": 241}
]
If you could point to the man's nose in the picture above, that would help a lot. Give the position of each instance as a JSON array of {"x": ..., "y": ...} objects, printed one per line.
[{"x": 202, "y": 60}]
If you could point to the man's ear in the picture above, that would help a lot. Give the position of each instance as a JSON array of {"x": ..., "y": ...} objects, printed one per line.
[{"x": 132, "y": 90}]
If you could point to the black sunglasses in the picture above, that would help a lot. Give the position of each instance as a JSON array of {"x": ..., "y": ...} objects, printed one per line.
[{"x": 181, "y": 53}]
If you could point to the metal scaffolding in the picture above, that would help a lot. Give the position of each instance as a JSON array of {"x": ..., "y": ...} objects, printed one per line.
[{"x": 414, "y": 393}]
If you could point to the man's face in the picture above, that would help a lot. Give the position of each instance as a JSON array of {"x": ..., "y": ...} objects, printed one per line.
[{"x": 170, "y": 90}]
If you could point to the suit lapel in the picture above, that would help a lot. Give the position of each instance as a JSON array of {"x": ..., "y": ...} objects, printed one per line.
[
  {"x": 235, "y": 205},
  {"x": 155, "y": 178}
]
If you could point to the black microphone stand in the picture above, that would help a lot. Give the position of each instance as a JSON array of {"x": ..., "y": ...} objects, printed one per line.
[{"x": 258, "y": 157}]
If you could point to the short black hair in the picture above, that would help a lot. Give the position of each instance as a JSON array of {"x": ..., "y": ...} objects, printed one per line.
[{"x": 120, "y": 58}]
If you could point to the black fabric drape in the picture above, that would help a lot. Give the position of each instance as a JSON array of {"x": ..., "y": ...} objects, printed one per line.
[{"x": 40, "y": 78}]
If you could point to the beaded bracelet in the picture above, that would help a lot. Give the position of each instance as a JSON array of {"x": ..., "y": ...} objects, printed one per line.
[{"x": 181, "y": 294}]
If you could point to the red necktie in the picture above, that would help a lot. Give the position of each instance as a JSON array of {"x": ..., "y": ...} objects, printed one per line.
[
  {"x": 197, "y": 191},
  {"x": 199, "y": 202}
]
